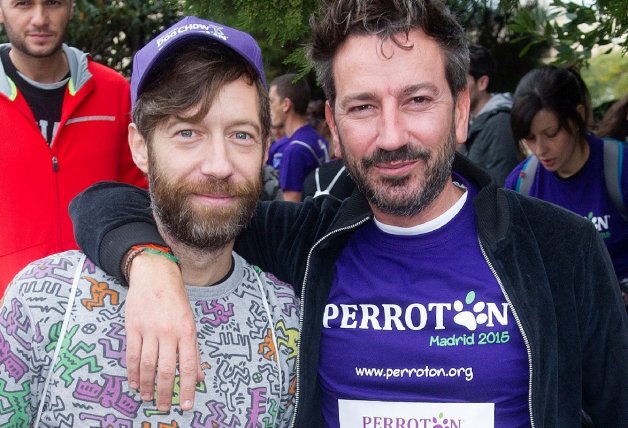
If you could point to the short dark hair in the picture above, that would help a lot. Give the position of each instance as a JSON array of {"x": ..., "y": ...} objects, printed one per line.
[
  {"x": 481, "y": 63},
  {"x": 337, "y": 20},
  {"x": 297, "y": 91},
  {"x": 193, "y": 77},
  {"x": 551, "y": 88}
]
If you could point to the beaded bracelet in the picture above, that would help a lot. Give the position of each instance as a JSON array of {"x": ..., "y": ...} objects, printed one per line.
[{"x": 150, "y": 249}]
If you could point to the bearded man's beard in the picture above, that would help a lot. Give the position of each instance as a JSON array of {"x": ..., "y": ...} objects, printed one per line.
[
  {"x": 394, "y": 195},
  {"x": 202, "y": 227}
]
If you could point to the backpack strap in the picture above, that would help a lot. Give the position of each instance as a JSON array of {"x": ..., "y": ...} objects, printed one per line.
[
  {"x": 331, "y": 185},
  {"x": 526, "y": 176},
  {"x": 613, "y": 165},
  {"x": 311, "y": 150}
]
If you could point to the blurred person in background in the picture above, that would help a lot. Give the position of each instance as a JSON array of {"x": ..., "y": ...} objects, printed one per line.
[
  {"x": 489, "y": 144},
  {"x": 64, "y": 127},
  {"x": 305, "y": 149},
  {"x": 570, "y": 166},
  {"x": 614, "y": 124}
]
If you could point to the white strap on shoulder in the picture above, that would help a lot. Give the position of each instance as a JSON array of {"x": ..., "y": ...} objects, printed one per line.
[
  {"x": 272, "y": 331},
  {"x": 64, "y": 328},
  {"x": 331, "y": 185},
  {"x": 311, "y": 150}
]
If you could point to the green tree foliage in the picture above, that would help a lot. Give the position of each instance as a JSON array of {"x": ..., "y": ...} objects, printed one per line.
[
  {"x": 606, "y": 78},
  {"x": 112, "y": 31},
  {"x": 487, "y": 23},
  {"x": 518, "y": 33},
  {"x": 280, "y": 26},
  {"x": 574, "y": 29}
]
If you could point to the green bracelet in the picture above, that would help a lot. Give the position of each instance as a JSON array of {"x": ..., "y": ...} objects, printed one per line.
[
  {"x": 166, "y": 254},
  {"x": 151, "y": 249}
]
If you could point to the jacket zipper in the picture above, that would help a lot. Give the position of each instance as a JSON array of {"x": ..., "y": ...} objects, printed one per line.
[
  {"x": 297, "y": 392},
  {"x": 521, "y": 330}
]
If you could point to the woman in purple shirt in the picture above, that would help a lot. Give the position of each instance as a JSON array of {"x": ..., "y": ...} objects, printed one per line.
[{"x": 549, "y": 116}]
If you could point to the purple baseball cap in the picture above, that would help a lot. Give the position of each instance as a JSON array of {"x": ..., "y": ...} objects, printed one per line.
[{"x": 190, "y": 27}]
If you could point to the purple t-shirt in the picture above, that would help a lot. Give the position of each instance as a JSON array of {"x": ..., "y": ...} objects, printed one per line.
[
  {"x": 417, "y": 332},
  {"x": 275, "y": 152},
  {"x": 585, "y": 194},
  {"x": 305, "y": 151}
]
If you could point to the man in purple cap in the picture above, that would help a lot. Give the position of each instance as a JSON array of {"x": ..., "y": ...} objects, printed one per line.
[
  {"x": 429, "y": 297},
  {"x": 200, "y": 132}
]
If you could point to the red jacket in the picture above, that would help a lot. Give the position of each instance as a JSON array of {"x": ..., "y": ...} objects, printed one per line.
[{"x": 37, "y": 181}]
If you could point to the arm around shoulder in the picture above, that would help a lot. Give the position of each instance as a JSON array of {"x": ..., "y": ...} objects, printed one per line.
[{"x": 109, "y": 218}]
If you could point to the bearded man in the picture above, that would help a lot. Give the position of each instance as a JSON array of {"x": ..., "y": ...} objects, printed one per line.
[
  {"x": 200, "y": 131},
  {"x": 64, "y": 120},
  {"x": 430, "y": 296}
]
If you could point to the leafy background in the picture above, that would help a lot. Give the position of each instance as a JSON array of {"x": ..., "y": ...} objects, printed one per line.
[{"x": 521, "y": 34}]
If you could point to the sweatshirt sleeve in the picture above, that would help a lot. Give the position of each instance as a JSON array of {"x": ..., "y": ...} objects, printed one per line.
[
  {"x": 21, "y": 382},
  {"x": 109, "y": 218}
]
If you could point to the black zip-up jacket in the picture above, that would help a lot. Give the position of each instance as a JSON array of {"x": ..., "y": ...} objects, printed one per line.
[{"x": 552, "y": 266}]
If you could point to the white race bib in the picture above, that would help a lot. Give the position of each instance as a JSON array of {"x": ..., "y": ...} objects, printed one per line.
[{"x": 380, "y": 414}]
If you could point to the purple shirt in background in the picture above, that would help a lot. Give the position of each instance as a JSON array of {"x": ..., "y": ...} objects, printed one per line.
[
  {"x": 421, "y": 319},
  {"x": 585, "y": 194},
  {"x": 305, "y": 151}
]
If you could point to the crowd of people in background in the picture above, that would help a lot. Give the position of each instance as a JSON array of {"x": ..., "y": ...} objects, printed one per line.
[{"x": 248, "y": 230}]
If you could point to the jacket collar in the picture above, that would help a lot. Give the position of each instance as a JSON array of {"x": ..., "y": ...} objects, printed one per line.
[
  {"x": 79, "y": 73},
  {"x": 492, "y": 224},
  {"x": 77, "y": 62}
]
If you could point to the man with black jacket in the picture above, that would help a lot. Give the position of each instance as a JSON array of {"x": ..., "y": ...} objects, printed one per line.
[
  {"x": 490, "y": 143},
  {"x": 430, "y": 296}
]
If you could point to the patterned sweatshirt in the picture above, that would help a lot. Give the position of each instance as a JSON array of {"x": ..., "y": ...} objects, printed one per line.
[{"x": 248, "y": 361}]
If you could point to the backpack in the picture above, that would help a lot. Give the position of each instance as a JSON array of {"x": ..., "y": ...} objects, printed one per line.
[{"x": 613, "y": 165}]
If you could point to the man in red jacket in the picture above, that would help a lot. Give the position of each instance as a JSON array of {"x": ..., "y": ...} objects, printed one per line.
[{"x": 63, "y": 127}]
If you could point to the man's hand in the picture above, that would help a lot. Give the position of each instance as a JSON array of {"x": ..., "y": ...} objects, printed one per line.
[{"x": 160, "y": 324}]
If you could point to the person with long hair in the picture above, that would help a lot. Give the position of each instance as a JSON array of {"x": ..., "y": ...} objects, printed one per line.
[{"x": 567, "y": 166}]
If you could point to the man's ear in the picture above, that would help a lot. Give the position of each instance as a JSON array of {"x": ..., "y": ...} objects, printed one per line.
[
  {"x": 286, "y": 105},
  {"x": 139, "y": 149},
  {"x": 461, "y": 115},
  {"x": 482, "y": 83},
  {"x": 331, "y": 123},
  {"x": 266, "y": 150},
  {"x": 1, "y": 16}
]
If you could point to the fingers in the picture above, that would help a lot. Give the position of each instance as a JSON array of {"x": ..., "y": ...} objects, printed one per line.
[
  {"x": 148, "y": 362},
  {"x": 166, "y": 370},
  {"x": 159, "y": 322},
  {"x": 189, "y": 369},
  {"x": 133, "y": 352},
  {"x": 200, "y": 376},
  {"x": 157, "y": 360}
]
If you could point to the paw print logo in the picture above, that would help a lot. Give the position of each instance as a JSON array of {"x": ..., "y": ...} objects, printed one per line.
[
  {"x": 470, "y": 319},
  {"x": 440, "y": 422}
]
